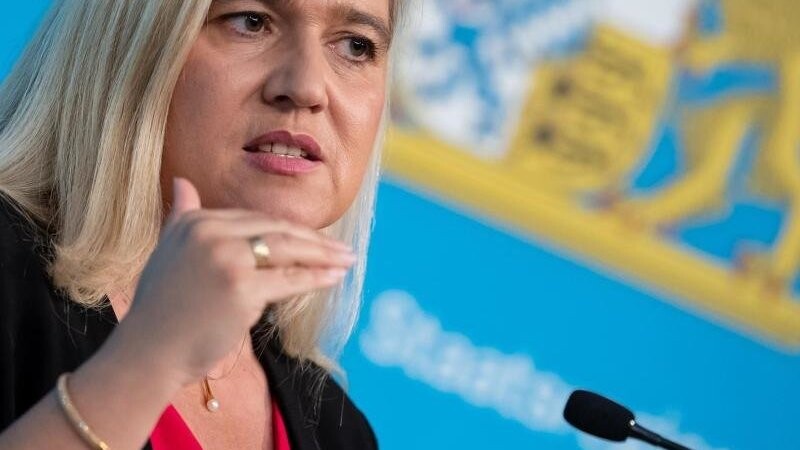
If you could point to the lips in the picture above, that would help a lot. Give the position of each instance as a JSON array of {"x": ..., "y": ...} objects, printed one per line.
[
  {"x": 286, "y": 145},
  {"x": 283, "y": 153}
]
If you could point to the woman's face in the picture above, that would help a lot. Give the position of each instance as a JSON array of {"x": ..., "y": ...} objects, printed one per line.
[{"x": 279, "y": 105}]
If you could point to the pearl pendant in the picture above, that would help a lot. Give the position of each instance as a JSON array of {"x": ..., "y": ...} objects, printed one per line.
[{"x": 212, "y": 405}]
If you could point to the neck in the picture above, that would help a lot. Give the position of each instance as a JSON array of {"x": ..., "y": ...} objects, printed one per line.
[{"x": 121, "y": 300}]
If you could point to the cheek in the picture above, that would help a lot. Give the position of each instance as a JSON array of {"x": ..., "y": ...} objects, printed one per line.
[
  {"x": 363, "y": 118},
  {"x": 358, "y": 152},
  {"x": 199, "y": 131},
  {"x": 198, "y": 103},
  {"x": 355, "y": 119}
]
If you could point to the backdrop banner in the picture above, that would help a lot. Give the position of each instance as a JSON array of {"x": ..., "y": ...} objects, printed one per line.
[{"x": 596, "y": 194}]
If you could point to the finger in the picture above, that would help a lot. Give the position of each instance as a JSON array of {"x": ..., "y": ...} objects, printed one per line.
[
  {"x": 185, "y": 198},
  {"x": 245, "y": 224},
  {"x": 260, "y": 225},
  {"x": 284, "y": 282},
  {"x": 286, "y": 249}
]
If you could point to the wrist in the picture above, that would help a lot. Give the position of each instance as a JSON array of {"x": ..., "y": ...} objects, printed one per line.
[
  {"x": 121, "y": 393},
  {"x": 128, "y": 360}
]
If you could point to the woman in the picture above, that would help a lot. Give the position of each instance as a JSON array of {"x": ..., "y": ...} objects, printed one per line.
[{"x": 182, "y": 186}]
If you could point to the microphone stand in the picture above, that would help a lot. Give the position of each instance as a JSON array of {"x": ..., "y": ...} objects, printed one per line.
[{"x": 642, "y": 433}]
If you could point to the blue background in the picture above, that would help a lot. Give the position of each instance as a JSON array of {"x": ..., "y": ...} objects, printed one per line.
[{"x": 519, "y": 295}]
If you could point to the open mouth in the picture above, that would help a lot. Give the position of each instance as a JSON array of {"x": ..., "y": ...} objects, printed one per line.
[
  {"x": 284, "y": 150},
  {"x": 284, "y": 153}
]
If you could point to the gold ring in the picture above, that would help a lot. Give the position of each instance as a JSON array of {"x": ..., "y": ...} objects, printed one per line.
[{"x": 260, "y": 251}]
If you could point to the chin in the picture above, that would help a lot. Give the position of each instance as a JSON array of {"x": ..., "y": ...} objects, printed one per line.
[{"x": 307, "y": 213}]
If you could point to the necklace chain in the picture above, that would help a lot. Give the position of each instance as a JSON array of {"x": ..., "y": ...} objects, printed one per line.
[
  {"x": 236, "y": 361},
  {"x": 212, "y": 404}
]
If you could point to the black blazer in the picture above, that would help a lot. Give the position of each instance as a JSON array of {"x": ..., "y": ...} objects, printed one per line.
[{"x": 43, "y": 334}]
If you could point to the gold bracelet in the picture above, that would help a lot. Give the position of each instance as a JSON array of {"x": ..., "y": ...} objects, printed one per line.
[{"x": 75, "y": 419}]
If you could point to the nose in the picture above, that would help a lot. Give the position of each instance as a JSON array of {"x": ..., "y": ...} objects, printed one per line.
[{"x": 297, "y": 79}]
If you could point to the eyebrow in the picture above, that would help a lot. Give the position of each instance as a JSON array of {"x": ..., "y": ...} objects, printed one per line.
[
  {"x": 355, "y": 16},
  {"x": 341, "y": 10}
]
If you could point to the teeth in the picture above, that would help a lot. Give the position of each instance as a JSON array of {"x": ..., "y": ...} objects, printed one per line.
[{"x": 283, "y": 150}]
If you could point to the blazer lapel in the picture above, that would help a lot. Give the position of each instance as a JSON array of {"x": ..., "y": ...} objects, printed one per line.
[{"x": 290, "y": 388}]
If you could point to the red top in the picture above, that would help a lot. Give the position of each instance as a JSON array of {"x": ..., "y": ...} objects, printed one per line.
[{"x": 172, "y": 433}]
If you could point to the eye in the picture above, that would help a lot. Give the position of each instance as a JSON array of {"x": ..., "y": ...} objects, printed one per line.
[
  {"x": 248, "y": 23},
  {"x": 355, "y": 48}
]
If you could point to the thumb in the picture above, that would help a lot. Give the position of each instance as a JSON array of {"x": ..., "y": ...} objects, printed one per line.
[{"x": 184, "y": 197}]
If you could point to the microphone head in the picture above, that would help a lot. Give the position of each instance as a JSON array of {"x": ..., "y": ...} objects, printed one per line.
[{"x": 598, "y": 416}]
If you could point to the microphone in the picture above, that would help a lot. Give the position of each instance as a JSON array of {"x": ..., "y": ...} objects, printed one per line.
[{"x": 604, "y": 418}]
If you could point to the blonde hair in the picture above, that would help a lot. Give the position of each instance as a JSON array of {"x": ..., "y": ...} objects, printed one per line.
[{"x": 82, "y": 124}]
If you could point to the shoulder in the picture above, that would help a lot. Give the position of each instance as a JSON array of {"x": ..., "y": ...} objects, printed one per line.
[
  {"x": 25, "y": 314},
  {"x": 23, "y": 261},
  {"x": 43, "y": 333},
  {"x": 29, "y": 300},
  {"x": 340, "y": 419},
  {"x": 32, "y": 309},
  {"x": 19, "y": 235}
]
